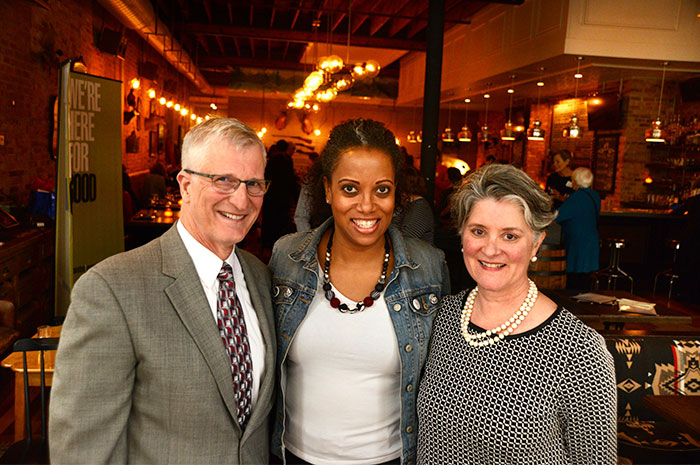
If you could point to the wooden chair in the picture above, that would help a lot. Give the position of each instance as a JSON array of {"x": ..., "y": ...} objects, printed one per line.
[
  {"x": 8, "y": 333},
  {"x": 32, "y": 450}
]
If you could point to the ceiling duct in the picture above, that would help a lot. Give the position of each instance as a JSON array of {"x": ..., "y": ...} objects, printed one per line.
[{"x": 139, "y": 16}]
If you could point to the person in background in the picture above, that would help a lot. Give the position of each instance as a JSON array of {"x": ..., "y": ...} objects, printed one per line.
[
  {"x": 511, "y": 378},
  {"x": 277, "y": 212},
  {"x": 415, "y": 217},
  {"x": 167, "y": 353},
  {"x": 559, "y": 183},
  {"x": 153, "y": 184},
  {"x": 578, "y": 216},
  {"x": 443, "y": 205},
  {"x": 302, "y": 213},
  {"x": 355, "y": 300}
]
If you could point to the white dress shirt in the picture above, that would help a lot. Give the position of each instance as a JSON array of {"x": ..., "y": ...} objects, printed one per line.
[{"x": 208, "y": 266}]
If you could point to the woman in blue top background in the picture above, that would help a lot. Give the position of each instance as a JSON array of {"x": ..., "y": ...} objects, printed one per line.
[
  {"x": 354, "y": 302},
  {"x": 578, "y": 216}
]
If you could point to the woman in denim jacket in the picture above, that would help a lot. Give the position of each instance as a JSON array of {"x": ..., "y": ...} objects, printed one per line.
[{"x": 354, "y": 301}]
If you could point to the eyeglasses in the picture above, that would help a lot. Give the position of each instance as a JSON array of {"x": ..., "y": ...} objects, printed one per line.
[{"x": 227, "y": 184}]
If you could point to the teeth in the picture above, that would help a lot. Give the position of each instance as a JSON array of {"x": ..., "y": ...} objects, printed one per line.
[
  {"x": 231, "y": 216},
  {"x": 365, "y": 223},
  {"x": 491, "y": 265}
]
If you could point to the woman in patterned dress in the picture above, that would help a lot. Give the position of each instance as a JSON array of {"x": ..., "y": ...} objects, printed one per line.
[{"x": 511, "y": 378}]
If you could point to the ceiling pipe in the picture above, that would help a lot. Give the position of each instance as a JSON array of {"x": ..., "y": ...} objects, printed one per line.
[{"x": 139, "y": 16}]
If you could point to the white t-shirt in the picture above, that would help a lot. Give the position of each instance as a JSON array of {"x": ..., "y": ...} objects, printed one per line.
[{"x": 343, "y": 380}]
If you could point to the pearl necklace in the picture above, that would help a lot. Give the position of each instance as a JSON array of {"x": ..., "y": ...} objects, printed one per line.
[
  {"x": 496, "y": 334},
  {"x": 367, "y": 301}
]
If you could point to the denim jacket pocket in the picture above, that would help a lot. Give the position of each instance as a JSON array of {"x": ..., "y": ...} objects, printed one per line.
[{"x": 425, "y": 301}]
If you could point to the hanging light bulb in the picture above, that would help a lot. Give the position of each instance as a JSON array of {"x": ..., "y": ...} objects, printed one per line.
[
  {"x": 151, "y": 93},
  {"x": 372, "y": 68},
  {"x": 193, "y": 117},
  {"x": 656, "y": 133},
  {"x": 507, "y": 133},
  {"x": 484, "y": 134},
  {"x": 313, "y": 81},
  {"x": 169, "y": 104},
  {"x": 536, "y": 132},
  {"x": 162, "y": 100},
  {"x": 465, "y": 134},
  {"x": 331, "y": 64},
  {"x": 358, "y": 71},
  {"x": 344, "y": 83},
  {"x": 184, "y": 111},
  {"x": 447, "y": 136},
  {"x": 573, "y": 130},
  {"x": 135, "y": 83},
  {"x": 177, "y": 107}
]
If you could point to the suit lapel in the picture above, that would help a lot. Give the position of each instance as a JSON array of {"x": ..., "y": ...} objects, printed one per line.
[
  {"x": 190, "y": 303},
  {"x": 259, "y": 297}
]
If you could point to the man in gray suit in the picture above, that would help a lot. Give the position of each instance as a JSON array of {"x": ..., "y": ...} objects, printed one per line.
[{"x": 167, "y": 351}]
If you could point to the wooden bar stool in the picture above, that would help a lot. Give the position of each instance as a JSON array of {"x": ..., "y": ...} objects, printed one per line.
[
  {"x": 613, "y": 271},
  {"x": 669, "y": 273}
]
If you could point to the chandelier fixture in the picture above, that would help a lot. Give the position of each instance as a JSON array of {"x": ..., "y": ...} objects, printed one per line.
[
  {"x": 332, "y": 75},
  {"x": 536, "y": 132},
  {"x": 484, "y": 134},
  {"x": 573, "y": 130},
  {"x": 507, "y": 132},
  {"x": 656, "y": 132},
  {"x": 465, "y": 134},
  {"x": 412, "y": 137}
]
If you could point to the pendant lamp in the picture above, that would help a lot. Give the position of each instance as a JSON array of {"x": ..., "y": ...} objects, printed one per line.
[
  {"x": 536, "y": 132},
  {"x": 484, "y": 134},
  {"x": 465, "y": 135},
  {"x": 448, "y": 136},
  {"x": 656, "y": 133},
  {"x": 573, "y": 130}
]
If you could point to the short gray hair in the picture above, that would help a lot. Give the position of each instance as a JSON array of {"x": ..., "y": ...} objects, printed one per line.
[
  {"x": 504, "y": 182},
  {"x": 583, "y": 177},
  {"x": 229, "y": 130}
]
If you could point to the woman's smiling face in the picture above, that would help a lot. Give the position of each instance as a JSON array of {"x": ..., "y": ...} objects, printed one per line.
[
  {"x": 361, "y": 194},
  {"x": 498, "y": 245}
]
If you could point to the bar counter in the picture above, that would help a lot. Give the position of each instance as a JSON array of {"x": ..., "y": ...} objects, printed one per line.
[{"x": 646, "y": 233}]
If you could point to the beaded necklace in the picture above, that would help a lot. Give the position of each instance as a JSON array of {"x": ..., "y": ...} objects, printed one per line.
[
  {"x": 367, "y": 301},
  {"x": 496, "y": 334}
]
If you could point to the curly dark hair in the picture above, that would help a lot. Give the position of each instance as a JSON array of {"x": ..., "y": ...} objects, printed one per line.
[{"x": 350, "y": 134}]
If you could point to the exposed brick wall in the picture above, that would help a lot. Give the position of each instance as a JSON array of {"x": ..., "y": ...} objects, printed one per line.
[{"x": 30, "y": 37}]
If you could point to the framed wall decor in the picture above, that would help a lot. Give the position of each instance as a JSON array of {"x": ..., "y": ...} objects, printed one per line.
[
  {"x": 152, "y": 144},
  {"x": 604, "y": 164}
]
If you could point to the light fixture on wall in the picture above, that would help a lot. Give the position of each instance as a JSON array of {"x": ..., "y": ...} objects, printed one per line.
[
  {"x": 507, "y": 133},
  {"x": 656, "y": 132},
  {"x": 448, "y": 136},
  {"x": 536, "y": 132},
  {"x": 465, "y": 135},
  {"x": 484, "y": 134},
  {"x": 573, "y": 130}
]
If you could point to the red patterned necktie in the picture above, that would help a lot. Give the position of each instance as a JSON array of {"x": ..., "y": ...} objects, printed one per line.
[{"x": 229, "y": 317}]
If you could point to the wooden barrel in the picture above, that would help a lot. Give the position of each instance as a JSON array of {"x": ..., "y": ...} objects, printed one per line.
[{"x": 549, "y": 271}]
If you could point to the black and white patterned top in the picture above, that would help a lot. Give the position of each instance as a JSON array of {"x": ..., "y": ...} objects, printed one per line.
[{"x": 544, "y": 396}]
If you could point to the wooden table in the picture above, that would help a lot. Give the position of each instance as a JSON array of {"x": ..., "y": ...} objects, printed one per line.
[
  {"x": 15, "y": 363},
  {"x": 681, "y": 411},
  {"x": 610, "y": 316},
  {"x": 148, "y": 224}
]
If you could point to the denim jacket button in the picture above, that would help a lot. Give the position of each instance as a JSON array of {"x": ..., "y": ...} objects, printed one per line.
[
  {"x": 288, "y": 292},
  {"x": 409, "y": 429},
  {"x": 409, "y": 388},
  {"x": 408, "y": 348},
  {"x": 416, "y": 304},
  {"x": 433, "y": 299},
  {"x": 397, "y": 307},
  {"x": 275, "y": 291}
]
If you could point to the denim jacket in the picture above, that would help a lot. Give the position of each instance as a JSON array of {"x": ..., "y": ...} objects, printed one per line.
[{"x": 414, "y": 287}]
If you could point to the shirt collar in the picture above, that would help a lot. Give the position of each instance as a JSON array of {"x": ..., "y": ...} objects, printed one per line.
[{"x": 207, "y": 263}]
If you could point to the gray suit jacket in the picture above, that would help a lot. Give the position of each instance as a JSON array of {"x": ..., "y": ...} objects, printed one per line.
[{"x": 141, "y": 373}]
